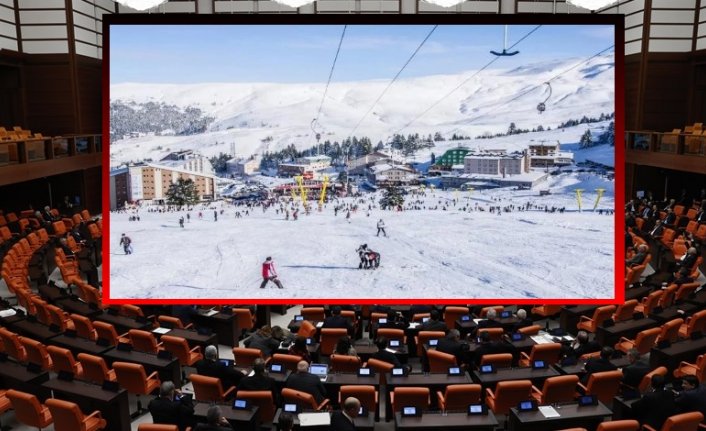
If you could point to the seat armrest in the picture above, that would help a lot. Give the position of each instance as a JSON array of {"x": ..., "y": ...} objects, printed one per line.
[
  {"x": 228, "y": 392},
  {"x": 95, "y": 414},
  {"x": 581, "y": 388},
  {"x": 646, "y": 427},
  {"x": 153, "y": 375},
  {"x": 189, "y": 326},
  {"x": 536, "y": 390},
  {"x": 196, "y": 349},
  {"x": 324, "y": 404},
  {"x": 585, "y": 319},
  {"x": 489, "y": 393},
  {"x": 524, "y": 355},
  {"x": 623, "y": 340}
]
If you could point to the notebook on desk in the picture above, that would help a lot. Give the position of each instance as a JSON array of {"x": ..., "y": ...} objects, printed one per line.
[{"x": 319, "y": 370}]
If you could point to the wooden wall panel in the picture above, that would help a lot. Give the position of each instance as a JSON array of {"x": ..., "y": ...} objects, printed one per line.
[
  {"x": 632, "y": 77},
  {"x": 89, "y": 94},
  {"x": 666, "y": 90},
  {"x": 50, "y": 107}
]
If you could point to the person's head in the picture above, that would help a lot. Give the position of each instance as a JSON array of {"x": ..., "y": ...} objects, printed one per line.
[
  {"x": 302, "y": 366},
  {"x": 491, "y": 314},
  {"x": 167, "y": 389},
  {"x": 63, "y": 241},
  {"x": 47, "y": 208},
  {"x": 351, "y": 406},
  {"x": 122, "y": 235},
  {"x": 607, "y": 352},
  {"x": 657, "y": 382},
  {"x": 582, "y": 336},
  {"x": 211, "y": 352},
  {"x": 343, "y": 345},
  {"x": 658, "y": 222},
  {"x": 691, "y": 250},
  {"x": 214, "y": 415},
  {"x": 522, "y": 314},
  {"x": 258, "y": 366},
  {"x": 336, "y": 310},
  {"x": 381, "y": 342},
  {"x": 434, "y": 315},
  {"x": 642, "y": 248},
  {"x": 391, "y": 315},
  {"x": 286, "y": 421},
  {"x": 37, "y": 214},
  {"x": 300, "y": 343},
  {"x": 453, "y": 334},
  {"x": 484, "y": 337},
  {"x": 633, "y": 355},
  {"x": 278, "y": 332},
  {"x": 265, "y": 331},
  {"x": 690, "y": 382},
  {"x": 269, "y": 258}
]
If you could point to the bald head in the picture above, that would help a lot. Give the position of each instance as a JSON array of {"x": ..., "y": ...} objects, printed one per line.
[
  {"x": 302, "y": 366},
  {"x": 521, "y": 314},
  {"x": 691, "y": 250},
  {"x": 351, "y": 406},
  {"x": 492, "y": 314}
]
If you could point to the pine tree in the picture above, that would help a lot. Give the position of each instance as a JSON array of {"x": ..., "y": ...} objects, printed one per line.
[
  {"x": 392, "y": 198},
  {"x": 586, "y": 141},
  {"x": 182, "y": 192},
  {"x": 608, "y": 137},
  {"x": 433, "y": 158},
  {"x": 512, "y": 129},
  {"x": 438, "y": 137}
]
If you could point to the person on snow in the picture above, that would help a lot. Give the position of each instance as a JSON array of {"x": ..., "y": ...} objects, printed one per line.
[
  {"x": 381, "y": 227},
  {"x": 269, "y": 273},
  {"x": 181, "y": 222},
  {"x": 126, "y": 242}
]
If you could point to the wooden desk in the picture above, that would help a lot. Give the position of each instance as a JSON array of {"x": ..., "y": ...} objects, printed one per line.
[
  {"x": 437, "y": 421},
  {"x": 572, "y": 416},
  {"x": 570, "y": 316},
  {"x": 638, "y": 292},
  {"x": 168, "y": 369},
  {"x": 578, "y": 369},
  {"x": 225, "y": 326},
  {"x": 78, "y": 307},
  {"x": 366, "y": 350},
  {"x": 627, "y": 329},
  {"x": 670, "y": 357},
  {"x": 366, "y": 423},
  {"x": 239, "y": 419},
  {"x": 79, "y": 345},
  {"x": 122, "y": 324},
  {"x": 192, "y": 337},
  {"x": 15, "y": 376},
  {"x": 672, "y": 312},
  {"x": 435, "y": 382},
  {"x": 35, "y": 330},
  {"x": 536, "y": 376},
  {"x": 113, "y": 405}
]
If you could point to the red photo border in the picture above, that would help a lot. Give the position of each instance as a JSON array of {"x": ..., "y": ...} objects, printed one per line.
[{"x": 456, "y": 19}]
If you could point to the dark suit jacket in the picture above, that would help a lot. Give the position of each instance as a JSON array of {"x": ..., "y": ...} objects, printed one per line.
[
  {"x": 670, "y": 218},
  {"x": 637, "y": 259},
  {"x": 337, "y": 322},
  {"x": 166, "y": 411},
  {"x": 309, "y": 383},
  {"x": 228, "y": 376},
  {"x": 654, "y": 408},
  {"x": 384, "y": 355},
  {"x": 692, "y": 401},
  {"x": 267, "y": 345},
  {"x": 688, "y": 261},
  {"x": 487, "y": 323},
  {"x": 341, "y": 423},
  {"x": 587, "y": 347},
  {"x": 433, "y": 325},
  {"x": 207, "y": 427},
  {"x": 452, "y": 347},
  {"x": 633, "y": 373},
  {"x": 259, "y": 383},
  {"x": 597, "y": 365},
  {"x": 522, "y": 324}
]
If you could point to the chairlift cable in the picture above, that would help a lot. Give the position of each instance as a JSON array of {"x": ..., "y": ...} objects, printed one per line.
[
  {"x": 409, "y": 60},
  {"x": 333, "y": 66}
]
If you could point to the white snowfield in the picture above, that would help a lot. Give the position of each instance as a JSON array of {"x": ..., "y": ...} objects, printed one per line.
[{"x": 432, "y": 254}]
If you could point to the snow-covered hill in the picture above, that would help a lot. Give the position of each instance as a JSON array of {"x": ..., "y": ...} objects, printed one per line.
[{"x": 247, "y": 113}]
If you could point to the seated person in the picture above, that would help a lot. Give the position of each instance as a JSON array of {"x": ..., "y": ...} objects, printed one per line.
[
  {"x": 344, "y": 420},
  {"x": 599, "y": 364},
  {"x": 335, "y": 320},
  {"x": 488, "y": 347},
  {"x": 345, "y": 347},
  {"x": 692, "y": 398},
  {"x": 302, "y": 380},
  {"x": 638, "y": 368},
  {"x": 523, "y": 320},
  {"x": 655, "y": 406},
  {"x": 259, "y": 381},
  {"x": 452, "y": 345},
  {"x": 263, "y": 341},
  {"x": 394, "y": 321},
  {"x": 639, "y": 257},
  {"x": 168, "y": 409},
  {"x": 298, "y": 348},
  {"x": 580, "y": 346},
  {"x": 209, "y": 366},
  {"x": 215, "y": 421},
  {"x": 384, "y": 355},
  {"x": 282, "y": 334},
  {"x": 433, "y": 324},
  {"x": 490, "y": 320}
]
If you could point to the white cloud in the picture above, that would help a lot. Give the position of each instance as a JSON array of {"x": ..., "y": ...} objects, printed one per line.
[
  {"x": 592, "y": 4},
  {"x": 141, "y": 4}
]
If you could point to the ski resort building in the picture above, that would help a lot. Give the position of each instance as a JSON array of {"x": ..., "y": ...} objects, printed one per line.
[
  {"x": 151, "y": 182},
  {"x": 495, "y": 163},
  {"x": 243, "y": 167},
  {"x": 547, "y": 155},
  {"x": 304, "y": 165},
  {"x": 188, "y": 161},
  {"x": 454, "y": 156},
  {"x": 360, "y": 165},
  {"x": 384, "y": 174}
]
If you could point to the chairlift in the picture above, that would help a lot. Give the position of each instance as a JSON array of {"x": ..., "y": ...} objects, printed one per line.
[
  {"x": 504, "y": 53},
  {"x": 317, "y": 134},
  {"x": 542, "y": 106}
]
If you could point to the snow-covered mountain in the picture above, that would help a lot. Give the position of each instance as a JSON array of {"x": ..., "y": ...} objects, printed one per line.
[{"x": 248, "y": 113}]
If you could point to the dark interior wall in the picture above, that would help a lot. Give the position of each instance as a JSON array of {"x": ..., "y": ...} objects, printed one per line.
[
  {"x": 50, "y": 107},
  {"x": 632, "y": 74},
  {"x": 89, "y": 94},
  {"x": 649, "y": 178},
  {"x": 667, "y": 86},
  {"x": 10, "y": 96}
]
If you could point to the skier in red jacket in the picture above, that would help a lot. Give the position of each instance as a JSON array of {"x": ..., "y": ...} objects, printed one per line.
[{"x": 269, "y": 273}]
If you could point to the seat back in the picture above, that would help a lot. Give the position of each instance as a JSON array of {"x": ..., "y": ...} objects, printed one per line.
[
  {"x": 697, "y": 323},
  {"x": 458, "y": 397},
  {"x": 602, "y": 314},
  {"x": 207, "y": 388},
  {"x": 289, "y": 361},
  {"x": 106, "y": 331},
  {"x": 263, "y": 400},
  {"x": 484, "y": 311},
  {"x": 380, "y": 367},
  {"x": 667, "y": 298},
  {"x": 302, "y": 399},
  {"x": 315, "y": 314},
  {"x": 604, "y": 385},
  {"x": 508, "y": 394},
  {"x": 439, "y": 362},
  {"x": 245, "y": 356},
  {"x": 12, "y": 345},
  {"x": 530, "y": 330},
  {"x": 685, "y": 290},
  {"x": 651, "y": 301},
  {"x": 495, "y": 333},
  {"x": 670, "y": 330},
  {"x": 171, "y": 322},
  {"x": 391, "y": 334},
  {"x": 423, "y": 338},
  {"x": 546, "y": 310},
  {"x": 623, "y": 425},
  {"x": 329, "y": 338},
  {"x": 129, "y": 310},
  {"x": 559, "y": 389},
  {"x": 157, "y": 427},
  {"x": 63, "y": 360},
  {"x": 28, "y": 410},
  {"x": 683, "y": 422},
  {"x": 451, "y": 314},
  {"x": 36, "y": 353},
  {"x": 646, "y": 339},
  {"x": 410, "y": 396},
  {"x": 306, "y": 329},
  {"x": 646, "y": 381},
  {"x": 179, "y": 348},
  {"x": 94, "y": 368},
  {"x": 67, "y": 416},
  {"x": 549, "y": 353},
  {"x": 245, "y": 318},
  {"x": 344, "y": 363},
  {"x": 498, "y": 360},
  {"x": 625, "y": 310},
  {"x": 84, "y": 327},
  {"x": 143, "y": 341},
  {"x": 132, "y": 377},
  {"x": 366, "y": 394}
]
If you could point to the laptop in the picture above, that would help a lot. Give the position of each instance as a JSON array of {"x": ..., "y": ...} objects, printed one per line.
[
  {"x": 277, "y": 368},
  {"x": 227, "y": 362},
  {"x": 319, "y": 370}
]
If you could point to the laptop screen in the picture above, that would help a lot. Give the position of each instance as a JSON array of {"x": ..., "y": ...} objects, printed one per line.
[
  {"x": 394, "y": 343},
  {"x": 433, "y": 342},
  {"x": 318, "y": 369},
  {"x": 226, "y": 362},
  {"x": 276, "y": 368},
  {"x": 291, "y": 408}
]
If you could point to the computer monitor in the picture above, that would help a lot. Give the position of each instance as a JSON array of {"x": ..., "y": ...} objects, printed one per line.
[
  {"x": 411, "y": 411},
  {"x": 239, "y": 404},
  {"x": 291, "y": 408},
  {"x": 277, "y": 368},
  {"x": 319, "y": 370},
  {"x": 298, "y": 318},
  {"x": 538, "y": 365},
  {"x": 227, "y": 362},
  {"x": 398, "y": 372},
  {"x": 505, "y": 314},
  {"x": 366, "y": 372},
  {"x": 487, "y": 369},
  {"x": 527, "y": 406},
  {"x": 454, "y": 371},
  {"x": 477, "y": 409},
  {"x": 588, "y": 400},
  {"x": 394, "y": 343},
  {"x": 433, "y": 342}
]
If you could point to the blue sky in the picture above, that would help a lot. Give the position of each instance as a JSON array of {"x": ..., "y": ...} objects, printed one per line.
[{"x": 304, "y": 53}]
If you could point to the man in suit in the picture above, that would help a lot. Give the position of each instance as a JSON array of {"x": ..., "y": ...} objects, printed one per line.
[
  {"x": 601, "y": 363},
  {"x": 488, "y": 347},
  {"x": 523, "y": 320},
  {"x": 657, "y": 232},
  {"x": 335, "y": 320},
  {"x": 638, "y": 368},
  {"x": 670, "y": 219},
  {"x": 490, "y": 320},
  {"x": 215, "y": 421},
  {"x": 689, "y": 259},
  {"x": 452, "y": 345},
  {"x": 211, "y": 367},
  {"x": 304, "y": 381},
  {"x": 693, "y": 396},
  {"x": 344, "y": 420},
  {"x": 259, "y": 381},
  {"x": 630, "y": 220},
  {"x": 580, "y": 346},
  {"x": 171, "y": 408},
  {"x": 433, "y": 324},
  {"x": 701, "y": 215},
  {"x": 639, "y": 257},
  {"x": 384, "y": 355},
  {"x": 656, "y": 406},
  {"x": 394, "y": 321}
]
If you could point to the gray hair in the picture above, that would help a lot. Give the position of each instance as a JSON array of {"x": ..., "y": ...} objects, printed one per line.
[
  {"x": 453, "y": 333},
  {"x": 166, "y": 389},
  {"x": 491, "y": 314},
  {"x": 210, "y": 352},
  {"x": 213, "y": 415},
  {"x": 522, "y": 313}
]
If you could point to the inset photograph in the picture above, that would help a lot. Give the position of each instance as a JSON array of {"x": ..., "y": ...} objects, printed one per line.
[{"x": 315, "y": 162}]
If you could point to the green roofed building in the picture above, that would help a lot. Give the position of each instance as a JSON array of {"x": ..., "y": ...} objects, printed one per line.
[{"x": 451, "y": 157}]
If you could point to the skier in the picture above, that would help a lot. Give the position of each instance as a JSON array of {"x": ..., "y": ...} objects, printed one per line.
[
  {"x": 381, "y": 227},
  {"x": 215, "y": 215},
  {"x": 181, "y": 222},
  {"x": 200, "y": 215},
  {"x": 269, "y": 273},
  {"x": 188, "y": 218},
  {"x": 126, "y": 242}
]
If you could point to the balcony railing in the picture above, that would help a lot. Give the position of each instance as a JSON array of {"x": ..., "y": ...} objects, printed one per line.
[
  {"x": 34, "y": 149},
  {"x": 669, "y": 142}
]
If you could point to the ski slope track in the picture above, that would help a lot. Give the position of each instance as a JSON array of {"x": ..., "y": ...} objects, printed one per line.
[{"x": 429, "y": 254}]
